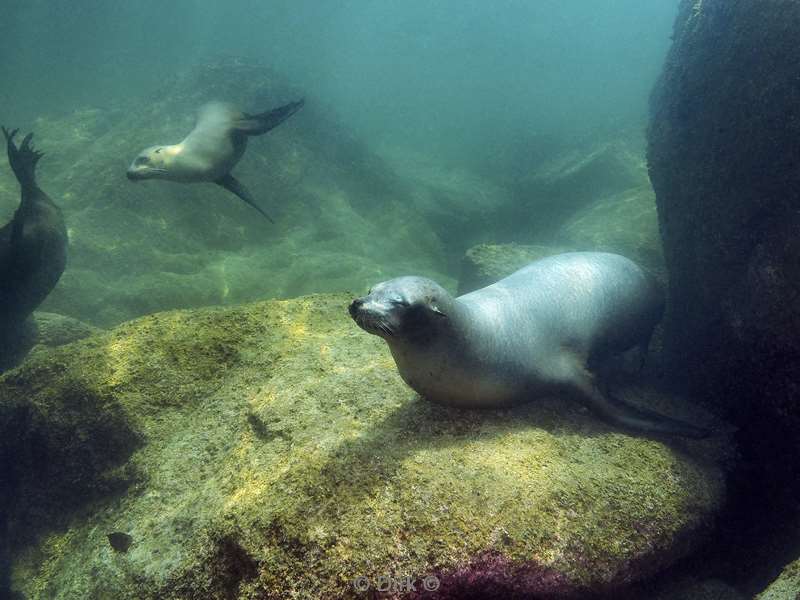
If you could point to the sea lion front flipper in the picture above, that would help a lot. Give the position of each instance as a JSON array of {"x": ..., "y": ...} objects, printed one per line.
[
  {"x": 23, "y": 159},
  {"x": 233, "y": 185},
  {"x": 263, "y": 122}
]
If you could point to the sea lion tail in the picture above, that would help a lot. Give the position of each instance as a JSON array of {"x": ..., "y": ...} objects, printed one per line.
[
  {"x": 23, "y": 159},
  {"x": 261, "y": 123}
]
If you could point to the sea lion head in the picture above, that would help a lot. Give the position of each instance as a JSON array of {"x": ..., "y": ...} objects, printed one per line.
[
  {"x": 403, "y": 308},
  {"x": 152, "y": 163}
]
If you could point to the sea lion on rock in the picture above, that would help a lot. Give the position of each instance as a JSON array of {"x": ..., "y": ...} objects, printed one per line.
[
  {"x": 541, "y": 331},
  {"x": 33, "y": 251},
  {"x": 211, "y": 149}
]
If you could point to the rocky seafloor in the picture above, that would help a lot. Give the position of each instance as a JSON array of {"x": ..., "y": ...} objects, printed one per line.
[{"x": 271, "y": 450}]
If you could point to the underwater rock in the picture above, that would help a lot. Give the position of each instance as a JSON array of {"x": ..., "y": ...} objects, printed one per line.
[
  {"x": 460, "y": 206},
  {"x": 624, "y": 222},
  {"x": 693, "y": 589},
  {"x": 485, "y": 264},
  {"x": 570, "y": 181},
  {"x": 272, "y": 451},
  {"x": 725, "y": 164},
  {"x": 57, "y": 330},
  {"x": 786, "y": 586},
  {"x": 45, "y": 329},
  {"x": 16, "y": 347}
]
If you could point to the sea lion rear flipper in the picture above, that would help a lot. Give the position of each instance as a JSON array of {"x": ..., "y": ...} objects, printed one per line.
[
  {"x": 263, "y": 122},
  {"x": 233, "y": 185},
  {"x": 617, "y": 411}
]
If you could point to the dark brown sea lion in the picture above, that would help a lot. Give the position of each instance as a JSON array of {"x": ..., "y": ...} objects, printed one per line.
[{"x": 33, "y": 250}]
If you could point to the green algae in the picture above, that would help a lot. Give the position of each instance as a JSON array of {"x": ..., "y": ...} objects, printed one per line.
[
  {"x": 786, "y": 586},
  {"x": 279, "y": 455}
]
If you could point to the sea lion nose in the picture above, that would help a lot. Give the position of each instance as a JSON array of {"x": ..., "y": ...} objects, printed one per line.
[
  {"x": 130, "y": 175},
  {"x": 354, "y": 306}
]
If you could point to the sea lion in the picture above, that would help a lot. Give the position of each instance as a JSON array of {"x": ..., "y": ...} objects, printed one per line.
[
  {"x": 542, "y": 331},
  {"x": 33, "y": 250},
  {"x": 211, "y": 149}
]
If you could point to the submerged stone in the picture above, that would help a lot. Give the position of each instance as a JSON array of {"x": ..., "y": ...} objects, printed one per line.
[
  {"x": 485, "y": 264},
  {"x": 786, "y": 586},
  {"x": 723, "y": 157},
  {"x": 271, "y": 451},
  {"x": 623, "y": 222}
]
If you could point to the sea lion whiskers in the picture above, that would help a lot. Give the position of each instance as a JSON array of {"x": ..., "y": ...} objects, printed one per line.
[{"x": 372, "y": 322}]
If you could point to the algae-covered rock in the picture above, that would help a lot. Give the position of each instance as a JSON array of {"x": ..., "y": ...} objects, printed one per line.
[
  {"x": 46, "y": 330},
  {"x": 624, "y": 222},
  {"x": 484, "y": 264},
  {"x": 693, "y": 589},
  {"x": 272, "y": 451},
  {"x": 723, "y": 157},
  {"x": 555, "y": 189},
  {"x": 57, "y": 330},
  {"x": 786, "y": 586}
]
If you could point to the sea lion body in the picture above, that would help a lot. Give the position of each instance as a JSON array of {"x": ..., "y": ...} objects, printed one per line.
[
  {"x": 211, "y": 150},
  {"x": 33, "y": 247},
  {"x": 539, "y": 332}
]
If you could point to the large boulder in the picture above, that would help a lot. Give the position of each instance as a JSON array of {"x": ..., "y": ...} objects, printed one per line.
[
  {"x": 725, "y": 164},
  {"x": 786, "y": 586},
  {"x": 690, "y": 588},
  {"x": 42, "y": 330},
  {"x": 555, "y": 189},
  {"x": 624, "y": 222},
  {"x": 485, "y": 264},
  {"x": 271, "y": 450},
  {"x": 460, "y": 205}
]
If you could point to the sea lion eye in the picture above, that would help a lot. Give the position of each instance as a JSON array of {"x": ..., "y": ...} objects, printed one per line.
[{"x": 141, "y": 160}]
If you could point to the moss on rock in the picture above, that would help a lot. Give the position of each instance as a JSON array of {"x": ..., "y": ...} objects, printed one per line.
[
  {"x": 786, "y": 586},
  {"x": 272, "y": 451},
  {"x": 624, "y": 222}
]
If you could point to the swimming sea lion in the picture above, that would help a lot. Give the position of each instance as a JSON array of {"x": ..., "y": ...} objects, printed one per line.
[
  {"x": 33, "y": 249},
  {"x": 541, "y": 331},
  {"x": 211, "y": 149}
]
